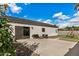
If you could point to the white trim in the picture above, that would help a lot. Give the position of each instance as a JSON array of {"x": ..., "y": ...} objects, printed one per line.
[{"x": 17, "y": 24}]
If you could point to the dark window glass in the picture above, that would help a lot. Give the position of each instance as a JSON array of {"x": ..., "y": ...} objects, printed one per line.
[
  {"x": 26, "y": 31},
  {"x": 43, "y": 29}
]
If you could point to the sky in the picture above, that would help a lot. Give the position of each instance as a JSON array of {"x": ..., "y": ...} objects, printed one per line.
[{"x": 61, "y": 14}]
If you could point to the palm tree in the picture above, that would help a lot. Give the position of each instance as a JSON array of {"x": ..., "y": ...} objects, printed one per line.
[{"x": 77, "y": 6}]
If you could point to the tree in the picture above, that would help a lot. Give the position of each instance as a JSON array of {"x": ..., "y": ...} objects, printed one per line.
[
  {"x": 6, "y": 40},
  {"x": 77, "y": 6}
]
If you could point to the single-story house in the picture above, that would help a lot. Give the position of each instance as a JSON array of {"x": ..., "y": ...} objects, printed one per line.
[{"x": 23, "y": 28}]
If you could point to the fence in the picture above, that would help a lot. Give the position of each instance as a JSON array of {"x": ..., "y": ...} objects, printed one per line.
[{"x": 68, "y": 32}]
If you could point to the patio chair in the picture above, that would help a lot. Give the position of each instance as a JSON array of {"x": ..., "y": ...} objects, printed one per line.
[
  {"x": 45, "y": 36},
  {"x": 35, "y": 36}
]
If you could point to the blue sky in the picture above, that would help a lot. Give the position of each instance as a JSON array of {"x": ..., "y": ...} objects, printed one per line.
[{"x": 52, "y": 13}]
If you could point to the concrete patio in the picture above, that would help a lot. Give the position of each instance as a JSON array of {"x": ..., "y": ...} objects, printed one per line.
[{"x": 50, "y": 47}]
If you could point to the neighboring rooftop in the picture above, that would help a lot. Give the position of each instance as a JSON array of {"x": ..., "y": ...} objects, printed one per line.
[{"x": 30, "y": 22}]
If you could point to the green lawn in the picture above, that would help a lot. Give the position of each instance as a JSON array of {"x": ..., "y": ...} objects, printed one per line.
[{"x": 69, "y": 38}]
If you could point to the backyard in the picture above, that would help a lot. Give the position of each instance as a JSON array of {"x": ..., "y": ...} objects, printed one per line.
[
  {"x": 69, "y": 36},
  {"x": 49, "y": 47},
  {"x": 66, "y": 43}
]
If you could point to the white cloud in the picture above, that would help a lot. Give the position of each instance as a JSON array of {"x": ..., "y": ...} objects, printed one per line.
[
  {"x": 61, "y": 16},
  {"x": 57, "y": 14},
  {"x": 48, "y": 21},
  {"x": 27, "y": 3},
  {"x": 76, "y": 14},
  {"x": 39, "y": 20},
  {"x": 63, "y": 25},
  {"x": 14, "y": 8},
  {"x": 71, "y": 22},
  {"x": 74, "y": 20},
  {"x": 59, "y": 21}
]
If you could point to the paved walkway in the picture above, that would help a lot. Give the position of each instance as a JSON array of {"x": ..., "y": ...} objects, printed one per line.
[{"x": 51, "y": 47}]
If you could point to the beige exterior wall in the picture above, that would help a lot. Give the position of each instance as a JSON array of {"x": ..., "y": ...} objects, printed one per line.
[
  {"x": 50, "y": 31},
  {"x": 38, "y": 30}
]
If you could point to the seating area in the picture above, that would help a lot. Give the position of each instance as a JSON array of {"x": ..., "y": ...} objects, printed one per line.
[{"x": 37, "y": 36}]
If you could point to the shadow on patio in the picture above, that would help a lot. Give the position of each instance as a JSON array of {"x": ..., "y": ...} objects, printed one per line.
[
  {"x": 26, "y": 50},
  {"x": 73, "y": 51}
]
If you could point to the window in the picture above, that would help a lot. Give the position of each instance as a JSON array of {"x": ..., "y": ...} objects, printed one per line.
[
  {"x": 26, "y": 31},
  {"x": 43, "y": 29},
  {"x": 54, "y": 31}
]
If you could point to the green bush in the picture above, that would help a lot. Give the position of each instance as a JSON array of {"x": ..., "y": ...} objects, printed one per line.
[{"x": 6, "y": 40}]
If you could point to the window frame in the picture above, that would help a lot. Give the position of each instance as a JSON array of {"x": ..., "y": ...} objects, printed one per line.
[{"x": 43, "y": 29}]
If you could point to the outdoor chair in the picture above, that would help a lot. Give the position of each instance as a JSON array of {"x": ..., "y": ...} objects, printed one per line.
[
  {"x": 45, "y": 36},
  {"x": 35, "y": 36}
]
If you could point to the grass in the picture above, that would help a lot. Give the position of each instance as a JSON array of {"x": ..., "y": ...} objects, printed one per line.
[{"x": 70, "y": 38}]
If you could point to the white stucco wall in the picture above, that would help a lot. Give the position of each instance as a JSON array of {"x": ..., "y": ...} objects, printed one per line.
[
  {"x": 37, "y": 29},
  {"x": 50, "y": 31}
]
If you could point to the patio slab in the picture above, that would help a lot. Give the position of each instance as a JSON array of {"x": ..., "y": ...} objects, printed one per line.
[{"x": 50, "y": 47}]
